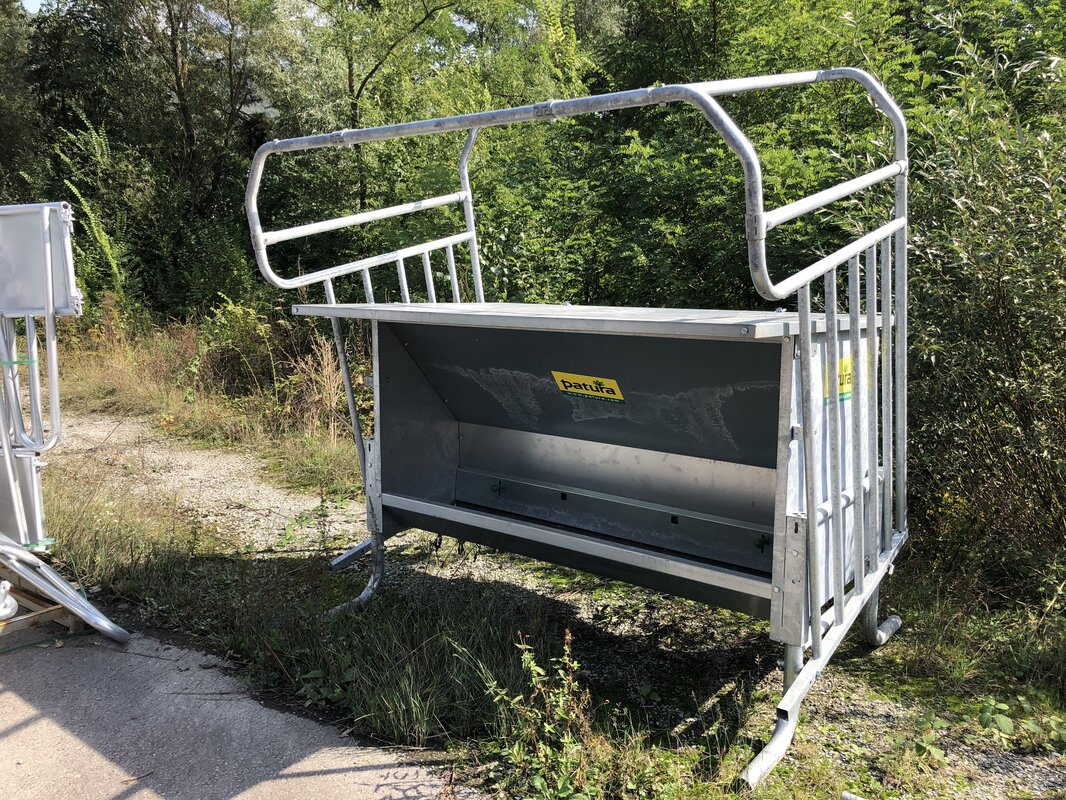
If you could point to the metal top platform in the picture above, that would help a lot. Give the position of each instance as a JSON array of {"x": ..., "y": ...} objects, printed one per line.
[{"x": 683, "y": 323}]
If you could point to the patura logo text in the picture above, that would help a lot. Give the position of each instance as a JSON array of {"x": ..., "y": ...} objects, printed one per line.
[{"x": 588, "y": 386}]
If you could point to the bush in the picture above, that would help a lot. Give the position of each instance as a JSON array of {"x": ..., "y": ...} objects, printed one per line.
[{"x": 987, "y": 345}]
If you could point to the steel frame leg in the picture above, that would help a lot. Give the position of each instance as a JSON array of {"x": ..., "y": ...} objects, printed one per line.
[
  {"x": 877, "y": 634},
  {"x": 799, "y": 682},
  {"x": 793, "y": 664},
  {"x": 376, "y": 542},
  {"x": 52, "y": 585},
  {"x": 376, "y": 545}
]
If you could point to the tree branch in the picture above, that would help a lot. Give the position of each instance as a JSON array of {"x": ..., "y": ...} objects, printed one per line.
[{"x": 430, "y": 13}]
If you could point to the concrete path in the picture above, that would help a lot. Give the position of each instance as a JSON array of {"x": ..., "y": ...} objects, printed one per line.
[{"x": 91, "y": 720}]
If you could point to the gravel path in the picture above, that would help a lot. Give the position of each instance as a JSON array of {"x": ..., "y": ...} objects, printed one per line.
[{"x": 224, "y": 488}]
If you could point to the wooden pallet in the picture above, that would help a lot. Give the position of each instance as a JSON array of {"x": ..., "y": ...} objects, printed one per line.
[{"x": 34, "y": 610}]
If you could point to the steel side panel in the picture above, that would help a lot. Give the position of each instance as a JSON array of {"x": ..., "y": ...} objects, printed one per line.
[
  {"x": 678, "y": 576},
  {"x": 694, "y": 414},
  {"x": 705, "y": 398},
  {"x": 417, "y": 435},
  {"x": 22, "y": 262},
  {"x": 789, "y": 620},
  {"x": 788, "y": 603},
  {"x": 662, "y": 527},
  {"x": 713, "y": 487}
]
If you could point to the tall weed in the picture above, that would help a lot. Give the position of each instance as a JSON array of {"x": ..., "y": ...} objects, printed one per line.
[{"x": 239, "y": 376}]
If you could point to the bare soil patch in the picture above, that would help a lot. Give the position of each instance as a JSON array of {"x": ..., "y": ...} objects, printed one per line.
[{"x": 223, "y": 488}]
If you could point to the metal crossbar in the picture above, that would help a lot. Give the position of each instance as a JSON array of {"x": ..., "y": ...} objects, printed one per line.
[{"x": 848, "y": 511}]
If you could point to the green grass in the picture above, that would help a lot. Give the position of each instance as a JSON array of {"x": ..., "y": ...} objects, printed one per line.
[
  {"x": 955, "y": 643},
  {"x": 328, "y": 468},
  {"x": 431, "y": 662},
  {"x": 390, "y": 670}
]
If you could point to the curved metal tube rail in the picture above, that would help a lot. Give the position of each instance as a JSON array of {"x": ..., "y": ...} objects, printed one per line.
[
  {"x": 701, "y": 95},
  {"x": 51, "y": 584},
  {"x": 872, "y": 493}
]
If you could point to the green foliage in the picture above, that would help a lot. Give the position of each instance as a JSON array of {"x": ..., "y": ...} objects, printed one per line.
[
  {"x": 549, "y": 742},
  {"x": 103, "y": 187},
  {"x": 1018, "y": 724},
  {"x": 545, "y": 730},
  {"x": 989, "y": 360},
  {"x": 236, "y": 346},
  {"x": 927, "y": 731},
  {"x": 20, "y": 123},
  {"x": 993, "y": 718}
]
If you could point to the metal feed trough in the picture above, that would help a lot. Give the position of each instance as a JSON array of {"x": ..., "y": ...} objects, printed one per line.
[
  {"x": 750, "y": 460},
  {"x": 36, "y": 283}
]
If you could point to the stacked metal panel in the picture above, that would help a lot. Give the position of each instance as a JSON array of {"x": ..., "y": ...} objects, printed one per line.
[
  {"x": 36, "y": 282},
  {"x": 36, "y": 286}
]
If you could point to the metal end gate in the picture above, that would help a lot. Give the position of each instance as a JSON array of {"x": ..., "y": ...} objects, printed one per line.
[
  {"x": 755, "y": 461},
  {"x": 36, "y": 282}
]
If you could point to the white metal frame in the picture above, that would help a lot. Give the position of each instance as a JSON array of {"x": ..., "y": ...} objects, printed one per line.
[
  {"x": 22, "y": 443},
  {"x": 875, "y": 497}
]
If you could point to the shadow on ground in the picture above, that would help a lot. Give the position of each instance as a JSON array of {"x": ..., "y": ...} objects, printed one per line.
[
  {"x": 94, "y": 720},
  {"x": 412, "y": 666}
]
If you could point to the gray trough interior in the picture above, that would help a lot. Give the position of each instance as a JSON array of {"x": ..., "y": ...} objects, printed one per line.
[{"x": 670, "y": 475}]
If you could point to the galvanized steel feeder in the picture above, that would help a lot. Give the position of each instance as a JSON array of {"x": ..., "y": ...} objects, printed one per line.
[{"x": 702, "y": 453}]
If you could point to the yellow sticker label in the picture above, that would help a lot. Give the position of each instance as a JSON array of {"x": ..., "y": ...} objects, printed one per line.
[
  {"x": 588, "y": 386},
  {"x": 844, "y": 379}
]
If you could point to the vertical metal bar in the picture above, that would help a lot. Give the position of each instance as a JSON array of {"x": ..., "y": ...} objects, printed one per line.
[
  {"x": 901, "y": 331},
  {"x": 468, "y": 211},
  {"x": 401, "y": 273},
  {"x": 9, "y": 375},
  {"x": 368, "y": 287},
  {"x": 50, "y": 344},
  {"x": 793, "y": 664},
  {"x": 809, "y": 378},
  {"x": 873, "y": 517},
  {"x": 331, "y": 297},
  {"x": 34, "y": 375},
  {"x": 427, "y": 268},
  {"x": 886, "y": 393},
  {"x": 346, "y": 376},
  {"x": 9, "y": 475},
  {"x": 450, "y": 251},
  {"x": 901, "y": 374},
  {"x": 858, "y": 519},
  {"x": 836, "y": 522}
]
